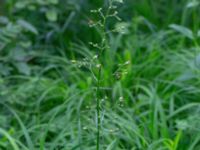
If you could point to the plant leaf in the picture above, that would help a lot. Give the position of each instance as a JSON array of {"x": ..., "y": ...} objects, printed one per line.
[
  {"x": 183, "y": 30},
  {"x": 112, "y": 145},
  {"x": 27, "y": 26},
  {"x": 53, "y": 1},
  {"x": 119, "y": 1},
  {"x": 52, "y": 15},
  {"x": 23, "y": 68},
  {"x": 192, "y": 4},
  {"x": 4, "y": 20},
  {"x": 198, "y": 33},
  {"x": 10, "y": 139}
]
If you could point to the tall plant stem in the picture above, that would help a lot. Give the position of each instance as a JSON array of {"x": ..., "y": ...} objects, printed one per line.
[{"x": 98, "y": 108}]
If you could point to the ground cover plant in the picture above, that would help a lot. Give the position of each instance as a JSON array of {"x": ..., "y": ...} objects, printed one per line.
[{"x": 99, "y": 75}]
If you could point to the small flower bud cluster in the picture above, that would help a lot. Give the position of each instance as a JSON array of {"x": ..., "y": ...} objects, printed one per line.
[
  {"x": 121, "y": 101},
  {"x": 104, "y": 15},
  {"x": 84, "y": 63},
  {"x": 114, "y": 130},
  {"x": 122, "y": 70}
]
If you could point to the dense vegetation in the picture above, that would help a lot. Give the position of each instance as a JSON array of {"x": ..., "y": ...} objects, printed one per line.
[{"x": 71, "y": 79}]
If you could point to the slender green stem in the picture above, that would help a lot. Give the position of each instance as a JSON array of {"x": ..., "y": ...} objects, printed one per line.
[{"x": 98, "y": 108}]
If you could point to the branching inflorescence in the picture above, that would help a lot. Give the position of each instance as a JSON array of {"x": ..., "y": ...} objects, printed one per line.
[{"x": 110, "y": 11}]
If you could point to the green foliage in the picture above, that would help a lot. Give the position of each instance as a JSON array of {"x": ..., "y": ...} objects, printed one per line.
[{"x": 49, "y": 67}]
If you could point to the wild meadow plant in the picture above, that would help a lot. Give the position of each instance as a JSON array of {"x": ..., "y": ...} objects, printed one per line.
[
  {"x": 95, "y": 65},
  {"x": 109, "y": 11}
]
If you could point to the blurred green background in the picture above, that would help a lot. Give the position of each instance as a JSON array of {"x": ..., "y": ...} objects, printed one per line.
[{"x": 48, "y": 102}]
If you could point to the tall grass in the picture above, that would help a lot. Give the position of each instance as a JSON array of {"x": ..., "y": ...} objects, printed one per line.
[{"x": 138, "y": 89}]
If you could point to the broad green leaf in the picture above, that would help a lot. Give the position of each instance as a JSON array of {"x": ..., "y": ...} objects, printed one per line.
[
  {"x": 23, "y": 68},
  {"x": 26, "y": 25},
  {"x": 52, "y": 15},
  {"x": 183, "y": 30}
]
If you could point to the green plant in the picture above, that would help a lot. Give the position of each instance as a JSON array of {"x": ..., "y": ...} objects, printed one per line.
[
  {"x": 143, "y": 78},
  {"x": 104, "y": 15}
]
